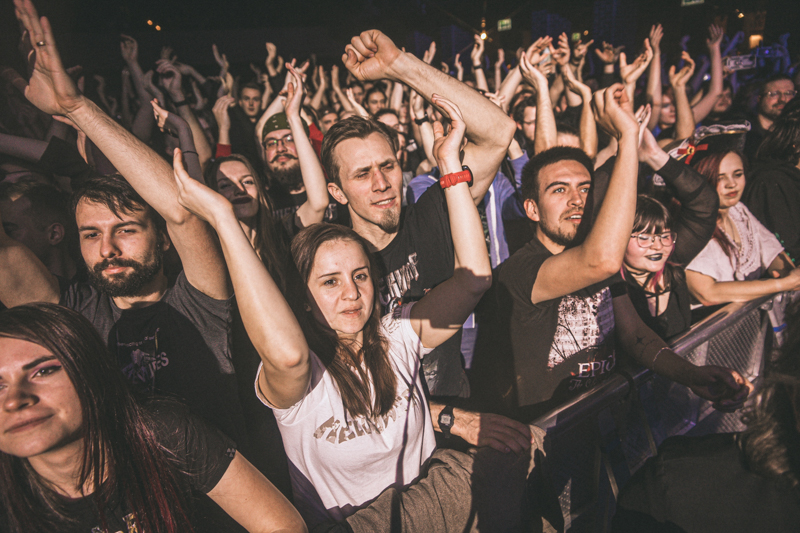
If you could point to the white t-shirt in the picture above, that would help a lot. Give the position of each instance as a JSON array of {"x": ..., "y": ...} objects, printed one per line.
[
  {"x": 758, "y": 248},
  {"x": 338, "y": 462}
]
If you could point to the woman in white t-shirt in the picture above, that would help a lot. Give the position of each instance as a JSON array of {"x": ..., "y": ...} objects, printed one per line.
[
  {"x": 742, "y": 251},
  {"x": 345, "y": 384}
]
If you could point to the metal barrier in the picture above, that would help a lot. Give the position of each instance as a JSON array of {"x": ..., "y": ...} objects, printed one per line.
[{"x": 594, "y": 443}]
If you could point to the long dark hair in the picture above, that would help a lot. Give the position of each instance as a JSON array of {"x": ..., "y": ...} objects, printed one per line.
[
  {"x": 269, "y": 245},
  {"x": 709, "y": 167},
  {"x": 652, "y": 216},
  {"x": 120, "y": 451},
  {"x": 342, "y": 359}
]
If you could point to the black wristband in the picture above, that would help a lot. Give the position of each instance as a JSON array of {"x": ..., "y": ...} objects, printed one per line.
[
  {"x": 446, "y": 420},
  {"x": 477, "y": 67},
  {"x": 421, "y": 121},
  {"x": 182, "y": 102}
]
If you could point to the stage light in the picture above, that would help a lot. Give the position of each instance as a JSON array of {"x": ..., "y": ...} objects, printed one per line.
[
  {"x": 149, "y": 22},
  {"x": 158, "y": 28},
  {"x": 483, "y": 35}
]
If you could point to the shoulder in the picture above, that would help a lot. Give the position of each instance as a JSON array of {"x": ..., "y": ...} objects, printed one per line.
[{"x": 184, "y": 295}]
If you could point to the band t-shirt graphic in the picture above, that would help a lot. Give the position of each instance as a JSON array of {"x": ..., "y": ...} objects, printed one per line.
[
  {"x": 539, "y": 355},
  {"x": 178, "y": 346},
  {"x": 419, "y": 258}
]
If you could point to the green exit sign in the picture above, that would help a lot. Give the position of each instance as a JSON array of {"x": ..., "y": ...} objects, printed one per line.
[{"x": 503, "y": 24}]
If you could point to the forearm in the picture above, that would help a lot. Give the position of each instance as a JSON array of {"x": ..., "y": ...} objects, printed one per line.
[
  {"x": 704, "y": 106},
  {"x": 312, "y": 211},
  {"x": 396, "y": 100},
  {"x": 224, "y": 136},
  {"x": 684, "y": 125},
  {"x": 143, "y": 121},
  {"x": 588, "y": 127},
  {"x": 498, "y": 76},
  {"x": 316, "y": 100},
  {"x": 509, "y": 86},
  {"x": 480, "y": 79},
  {"x": 147, "y": 173},
  {"x": 556, "y": 90},
  {"x": 202, "y": 148},
  {"x": 714, "y": 293},
  {"x": 610, "y": 233},
  {"x": 137, "y": 76},
  {"x": 546, "y": 135},
  {"x": 343, "y": 100},
  {"x": 269, "y": 321},
  {"x": 186, "y": 142}
]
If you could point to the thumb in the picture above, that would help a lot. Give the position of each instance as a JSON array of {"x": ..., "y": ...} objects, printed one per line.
[
  {"x": 775, "y": 274},
  {"x": 623, "y": 61},
  {"x": 438, "y": 130}
]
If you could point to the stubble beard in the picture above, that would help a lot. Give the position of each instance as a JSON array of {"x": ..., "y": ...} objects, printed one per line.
[{"x": 125, "y": 285}]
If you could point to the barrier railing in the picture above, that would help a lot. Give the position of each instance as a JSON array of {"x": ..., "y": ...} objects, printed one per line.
[{"x": 594, "y": 443}]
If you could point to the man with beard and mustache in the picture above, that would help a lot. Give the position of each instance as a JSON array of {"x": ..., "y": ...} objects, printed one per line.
[
  {"x": 170, "y": 340},
  {"x": 778, "y": 90},
  {"x": 413, "y": 247},
  {"x": 558, "y": 306},
  {"x": 286, "y": 187}
]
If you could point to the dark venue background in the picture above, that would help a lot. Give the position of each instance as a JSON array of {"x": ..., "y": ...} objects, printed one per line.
[{"x": 88, "y": 30}]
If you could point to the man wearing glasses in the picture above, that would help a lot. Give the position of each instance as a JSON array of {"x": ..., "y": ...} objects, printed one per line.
[{"x": 777, "y": 92}]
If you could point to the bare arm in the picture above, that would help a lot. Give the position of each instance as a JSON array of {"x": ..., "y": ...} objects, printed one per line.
[
  {"x": 486, "y": 429},
  {"x": 654, "y": 75},
  {"x": 396, "y": 99},
  {"x": 477, "y": 64},
  {"x": 708, "y": 291},
  {"x": 250, "y": 499},
  {"x": 498, "y": 68},
  {"x": 372, "y": 55},
  {"x": 600, "y": 255},
  {"x": 316, "y": 101},
  {"x": 443, "y": 310},
  {"x": 684, "y": 125},
  {"x": 313, "y": 209},
  {"x": 422, "y": 132},
  {"x": 337, "y": 89},
  {"x": 269, "y": 321},
  {"x": 52, "y": 91},
  {"x": 142, "y": 124},
  {"x": 588, "y": 125},
  {"x": 702, "y": 108},
  {"x": 546, "y": 135}
]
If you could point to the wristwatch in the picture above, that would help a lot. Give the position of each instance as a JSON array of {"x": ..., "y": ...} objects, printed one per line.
[
  {"x": 448, "y": 180},
  {"x": 446, "y": 420}
]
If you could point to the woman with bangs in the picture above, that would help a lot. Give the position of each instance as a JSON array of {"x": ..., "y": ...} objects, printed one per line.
[
  {"x": 743, "y": 260},
  {"x": 661, "y": 243}
]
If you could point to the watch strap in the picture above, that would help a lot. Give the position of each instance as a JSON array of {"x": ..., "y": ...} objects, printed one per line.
[{"x": 446, "y": 420}]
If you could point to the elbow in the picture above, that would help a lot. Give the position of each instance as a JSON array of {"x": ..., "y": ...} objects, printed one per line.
[
  {"x": 474, "y": 282},
  {"x": 605, "y": 265}
]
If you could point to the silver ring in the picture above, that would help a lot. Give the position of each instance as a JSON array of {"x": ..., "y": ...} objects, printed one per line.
[{"x": 41, "y": 43}]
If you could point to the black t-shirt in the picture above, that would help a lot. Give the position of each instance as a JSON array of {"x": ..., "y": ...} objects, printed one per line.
[
  {"x": 536, "y": 356},
  {"x": 203, "y": 455},
  {"x": 177, "y": 346},
  {"x": 285, "y": 205},
  {"x": 700, "y": 484},
  {"x": 419, "y": 258}
]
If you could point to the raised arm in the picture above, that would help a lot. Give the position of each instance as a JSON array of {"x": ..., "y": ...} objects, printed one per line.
[
  {"x": 441, "y": 312},
  {"x": 322, "y": 86},
  {"x": 476, "y": 55},
  {"x": 373, "y": 56},
  {"x": 498, "y": 68},
  {"x": 313, "y": 209},
  {"x": 546, "y": 135},
  {"x": 588, "y": 126},
  {"x": 337, "y": 89},
  {"x": 269, "y": 321},
  {"x": 601, "y": 253},
  {"x": 172, "y": 123},
  {"x": 52, "y": 91},
  {"x": 702, "y": 108},
  {"x": 630, "y": 73},
  {"x": 654, "y": 75},
  {"x": 142, "y": 124},
  {"x": 684, "y": 125}
]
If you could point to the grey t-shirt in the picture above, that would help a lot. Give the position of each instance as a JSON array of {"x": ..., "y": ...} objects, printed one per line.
[{"x": 178, "y": 346}]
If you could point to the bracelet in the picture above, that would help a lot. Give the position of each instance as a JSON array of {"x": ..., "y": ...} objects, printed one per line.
[
  {"x": 421, "y": 121},
  {"x": 653, "y": 364},
  {"x": 182, "y": 102},
  {"x": 477, "y": 67},
  {"x": 189, "y": 152},
  {"x": 448, "y": 180}
]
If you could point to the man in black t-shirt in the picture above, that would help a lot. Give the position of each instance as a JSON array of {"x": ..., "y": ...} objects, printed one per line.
[
  {"x": 558, "y": 307},
  {"x": 413, "y": 247}
]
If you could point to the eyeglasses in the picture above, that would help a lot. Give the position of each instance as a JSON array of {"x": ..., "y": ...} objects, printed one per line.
[
  {"x": 776, "y": 94},
  {"x": 646, "y": 241},
  {"x": 271, "y": 144}
]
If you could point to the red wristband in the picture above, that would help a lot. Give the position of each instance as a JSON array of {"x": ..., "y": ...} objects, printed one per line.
[{"x": 448, "y": 180}]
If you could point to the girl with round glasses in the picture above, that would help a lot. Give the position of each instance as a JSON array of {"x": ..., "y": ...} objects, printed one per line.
[{"x": 661, "y": 243}]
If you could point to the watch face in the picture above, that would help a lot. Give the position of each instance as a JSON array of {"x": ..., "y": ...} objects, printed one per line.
[{"x": 447, "y": 420}]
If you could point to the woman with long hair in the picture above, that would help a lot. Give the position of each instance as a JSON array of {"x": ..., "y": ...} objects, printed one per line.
[
  {"x": 235, "y": 178},
  {"x": 344, "y": 384},
  {"x": 741, "y": 251},
  {"x": 662, "y": 244},
  {"x": 77, "y": 453}
]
